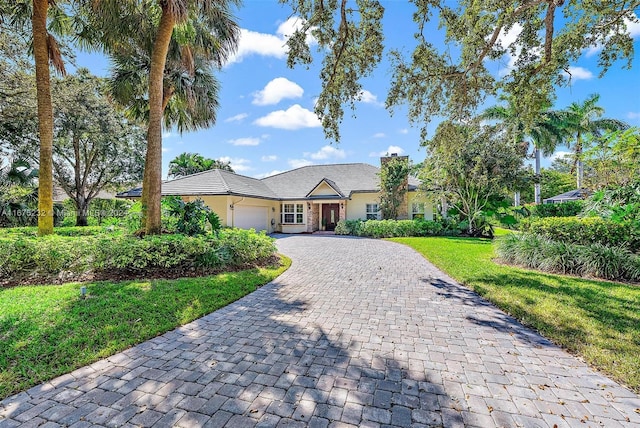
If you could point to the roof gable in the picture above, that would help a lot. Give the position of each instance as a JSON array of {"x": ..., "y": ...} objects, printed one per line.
[{"x": 325, "y": 188}]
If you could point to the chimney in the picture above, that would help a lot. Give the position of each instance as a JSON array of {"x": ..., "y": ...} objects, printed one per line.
[{"x": 403, "y": 209}]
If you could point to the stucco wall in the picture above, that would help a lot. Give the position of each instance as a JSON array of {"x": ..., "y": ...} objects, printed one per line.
[
  {"x": 292, "y": 228},
  {"x": 357, "y": 205}
]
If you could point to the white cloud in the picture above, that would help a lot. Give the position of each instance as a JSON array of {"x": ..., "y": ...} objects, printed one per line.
[
  {"x": 390, "y": 150},
  {"x": 166, "y": 149},
  {"x": 254, "y": 43},
  {"x": 246, "y": 141},
  {"x": 269, "y": 158},
  {"x": 559, "y": 155},
  {"x": 263, "y": 44},
  {"x": 295, "y": 117},
  {"x": 277, "y": 90},
  {"x": 299, "y": 163},
  {"x": 505, "y": 40},
  {"x": 167, "y": 134},
  {"x": 404, "y": 131},
  {"x": 633, "y": 115},
  {"x": 237, "y": 118},
  {"x": 379, "y": 135},
  {"x": 268, "y": 174},
  {"x": 327, "y": 152},
  {"x": 578, "y": 73},
  {"x": 369, "y": 98},
  {"x": 238, "y": 164}
]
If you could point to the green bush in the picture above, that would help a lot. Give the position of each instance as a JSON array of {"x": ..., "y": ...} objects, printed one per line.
[
  {"x": 348, "y": 227},
  {"x": 388, "y": 228},
  {"x": 585, "y": 231},
  {"x": 68, "y": 257},
  {"x": 594, "y": 260},
  {"x": 563, "y": 209}
]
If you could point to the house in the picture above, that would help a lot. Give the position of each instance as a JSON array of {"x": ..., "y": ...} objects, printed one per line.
[
  {"x": 302, "y": 200},
  {"x": 572, "y": 195}
]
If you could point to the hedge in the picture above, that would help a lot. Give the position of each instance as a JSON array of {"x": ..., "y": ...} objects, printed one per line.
[
  {"x": 55, "y": 257},
  {"x": 594, "y": 260},
  {"x": 388, "y": 228},
  {"x": 563, "y": 209},
  {"x": 585, "y": 231}
]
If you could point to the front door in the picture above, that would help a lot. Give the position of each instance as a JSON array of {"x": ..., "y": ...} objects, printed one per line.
[{"x": 330, "y": 216}]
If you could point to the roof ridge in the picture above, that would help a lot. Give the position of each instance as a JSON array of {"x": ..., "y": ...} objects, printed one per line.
[
  {"x": 318, "y": 165},
  {"x": 224, "y": 181}
]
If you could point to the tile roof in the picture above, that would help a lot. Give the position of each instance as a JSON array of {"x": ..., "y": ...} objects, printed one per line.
[
  {"x": 348, "y": 178},
  {"x": 217, "y": 182},
  {"x": 294, "y": 184}
]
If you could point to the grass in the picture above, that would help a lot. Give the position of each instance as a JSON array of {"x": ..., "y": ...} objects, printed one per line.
[
  {"x": 46, "y": 331},
  {"x": 597, "y": 320}
]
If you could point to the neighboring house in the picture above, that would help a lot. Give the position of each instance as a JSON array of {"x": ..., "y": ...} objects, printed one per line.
[
  {"x": 59, "y": 195},
  {"x": 572, "y": 195},
  {"x": 302, "y": 200}
]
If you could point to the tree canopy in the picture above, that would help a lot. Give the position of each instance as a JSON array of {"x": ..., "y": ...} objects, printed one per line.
[
  {"x": 192, "y": 163},
  {"x": 468, "y": 164},
  {"x": 448, "y": 73}
]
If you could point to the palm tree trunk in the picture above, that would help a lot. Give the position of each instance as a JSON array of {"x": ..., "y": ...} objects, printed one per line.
[
  {"x": 152, "y": 181},
  {"x": 537, "y": 182},
  {"x": 45, "y": 116},
  {"x": 580, "y": 167}
]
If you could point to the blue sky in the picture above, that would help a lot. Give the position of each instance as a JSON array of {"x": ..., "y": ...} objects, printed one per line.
[{"x": 266, "y": 122}]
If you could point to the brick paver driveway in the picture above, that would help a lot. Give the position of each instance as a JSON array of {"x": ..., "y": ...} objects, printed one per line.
[{"x": 360, "y": 332}]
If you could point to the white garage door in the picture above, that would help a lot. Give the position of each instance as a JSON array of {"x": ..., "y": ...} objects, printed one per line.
[{"x": 247, "y": 217}]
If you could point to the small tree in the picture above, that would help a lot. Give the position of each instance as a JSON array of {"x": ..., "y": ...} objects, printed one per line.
[
  {"x": 467, "y": 164},
  {"x": 394, "y": 174}
]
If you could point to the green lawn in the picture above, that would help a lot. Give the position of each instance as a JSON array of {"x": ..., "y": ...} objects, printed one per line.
[
  {"x": 46, "y": 331},
  {"x": 597, "y": 320}
]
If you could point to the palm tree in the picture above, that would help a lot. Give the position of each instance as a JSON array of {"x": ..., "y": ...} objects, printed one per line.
[
  {"x": 200, "y": 27},
  {"x": 545, "y": 133},
  {"x": 46, "y": 53},
  {"x": 584, "y": 119},
  {"x": 191, "y": 163}
]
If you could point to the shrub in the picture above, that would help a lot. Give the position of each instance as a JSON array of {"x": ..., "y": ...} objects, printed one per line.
[
  {"x": 388, "y": 228},
  {"x": 348, "y": 227},
  {"x": 68, "y": 257},
  {"x": 563, "y": 209},
  {"x": 596, "y": 260},
  {"x": 586, "y": 231}
]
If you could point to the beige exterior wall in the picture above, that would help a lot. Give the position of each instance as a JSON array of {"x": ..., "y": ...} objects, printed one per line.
[
  {"x": 357, "y": 205},
  {"x": 218, "y": 204},
  {"x": 354, "y": 209},
  {"x": 323, "y": 190}
]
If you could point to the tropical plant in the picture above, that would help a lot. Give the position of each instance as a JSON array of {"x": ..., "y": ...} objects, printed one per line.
[
  {"x": 41, "y": 15},
  {"x": 545, "y": 132},
  {"x": 584, "y": 120},
  {"x": 469, "y": 164},
  {"x": 612, "y": 159},
  {"x": 191, "y": 163},
  {"x": 152, "y": 25}
]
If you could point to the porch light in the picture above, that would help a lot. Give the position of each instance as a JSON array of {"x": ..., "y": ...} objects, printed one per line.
[{"x": 231, "y": 206}]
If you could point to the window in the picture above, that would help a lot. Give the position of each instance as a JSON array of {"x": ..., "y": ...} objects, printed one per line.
[
  {"x": 372, "y": 211},
  {"x": 417, "y": 210},
  {"x": 292, "y": 213}
]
